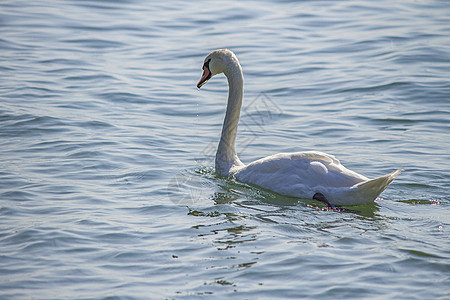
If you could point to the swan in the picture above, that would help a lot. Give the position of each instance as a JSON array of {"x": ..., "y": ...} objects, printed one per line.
[{"x": 310, "y": 174}]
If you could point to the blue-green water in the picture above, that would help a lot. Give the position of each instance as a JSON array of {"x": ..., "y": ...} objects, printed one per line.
[{"x": 106, "y": 159}]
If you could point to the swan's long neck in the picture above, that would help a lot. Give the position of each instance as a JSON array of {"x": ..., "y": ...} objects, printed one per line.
[{"x": 226, "y": 157}]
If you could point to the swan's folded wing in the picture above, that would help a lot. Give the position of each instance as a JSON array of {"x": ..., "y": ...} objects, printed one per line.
[{"x": 298, "y": 174}]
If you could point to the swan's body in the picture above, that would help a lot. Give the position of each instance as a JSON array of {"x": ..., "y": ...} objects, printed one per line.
[{"x": 308, "y": 174}]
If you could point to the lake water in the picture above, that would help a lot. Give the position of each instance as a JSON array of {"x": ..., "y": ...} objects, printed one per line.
[{"x": 107, "y": 186}]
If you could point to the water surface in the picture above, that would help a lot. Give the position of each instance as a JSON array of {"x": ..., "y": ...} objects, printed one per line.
[{"x": 107, "y": 187}]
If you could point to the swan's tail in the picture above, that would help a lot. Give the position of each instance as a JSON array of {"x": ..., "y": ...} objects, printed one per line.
[{"x": 371, "y": 189}]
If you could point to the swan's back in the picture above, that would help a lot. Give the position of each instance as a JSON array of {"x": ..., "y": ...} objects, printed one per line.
[{"x": 299, "y": 174}]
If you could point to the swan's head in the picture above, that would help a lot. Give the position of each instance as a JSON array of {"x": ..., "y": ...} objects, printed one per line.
[{"x": 218, "y": 61}]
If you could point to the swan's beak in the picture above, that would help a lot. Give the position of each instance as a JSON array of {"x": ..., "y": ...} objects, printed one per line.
[{"x": 205, "y": 77}]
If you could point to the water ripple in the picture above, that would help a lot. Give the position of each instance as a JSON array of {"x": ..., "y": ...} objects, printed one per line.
[{"x": 107, "y": 183}]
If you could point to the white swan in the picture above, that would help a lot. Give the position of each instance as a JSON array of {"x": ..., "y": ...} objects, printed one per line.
[{"x": 308, "y": 174}]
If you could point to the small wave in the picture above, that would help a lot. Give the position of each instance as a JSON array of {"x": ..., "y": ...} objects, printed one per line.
[
  {"x": 96, "y": 43},
  {"x": 375, "y": 88},
  {"x": 123, "y": 97}
]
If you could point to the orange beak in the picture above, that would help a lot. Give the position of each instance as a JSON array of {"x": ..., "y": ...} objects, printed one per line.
[{"x": 205, "y": 77}]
